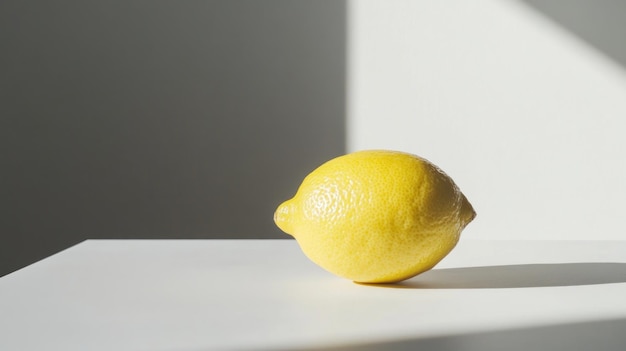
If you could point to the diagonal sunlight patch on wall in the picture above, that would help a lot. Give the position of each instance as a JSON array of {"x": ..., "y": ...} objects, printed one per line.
[{"x": 526, "y": 117}]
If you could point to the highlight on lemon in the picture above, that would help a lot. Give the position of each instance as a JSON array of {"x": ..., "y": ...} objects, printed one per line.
[{"x": 376, "y": 216}]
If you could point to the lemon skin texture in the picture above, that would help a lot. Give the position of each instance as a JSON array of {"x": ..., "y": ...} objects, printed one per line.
[{"x": 376, "y": 216}]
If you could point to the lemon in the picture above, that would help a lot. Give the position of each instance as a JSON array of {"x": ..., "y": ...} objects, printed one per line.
[{"x": 376, "y": 216}]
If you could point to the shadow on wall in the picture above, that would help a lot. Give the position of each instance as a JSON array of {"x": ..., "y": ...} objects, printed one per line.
[
  {"x": 602, "y": 23},
  {"x": 161, "y": 119}
]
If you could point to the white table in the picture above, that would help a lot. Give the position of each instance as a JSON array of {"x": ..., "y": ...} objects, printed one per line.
[{"x": 265, "y": 294}]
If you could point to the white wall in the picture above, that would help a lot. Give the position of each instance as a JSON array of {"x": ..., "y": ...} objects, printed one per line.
[{"x": 528, "y": 119}]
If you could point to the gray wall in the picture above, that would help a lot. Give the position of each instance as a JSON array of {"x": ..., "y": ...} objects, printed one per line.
[
  {"x": 161, "y": 119},
  {"x": 600, "y": 23}
]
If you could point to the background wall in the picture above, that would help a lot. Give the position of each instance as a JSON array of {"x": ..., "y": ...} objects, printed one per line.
[
  {"x": 161, "y": 119},
  {"x": 522, "y": 103}
]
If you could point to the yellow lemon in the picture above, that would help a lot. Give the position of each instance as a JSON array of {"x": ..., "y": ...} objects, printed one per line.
[{"x": 376, "y": 216}]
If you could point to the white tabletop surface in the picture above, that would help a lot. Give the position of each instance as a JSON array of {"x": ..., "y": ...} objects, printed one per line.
[{"x": 265, "y": 294}]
